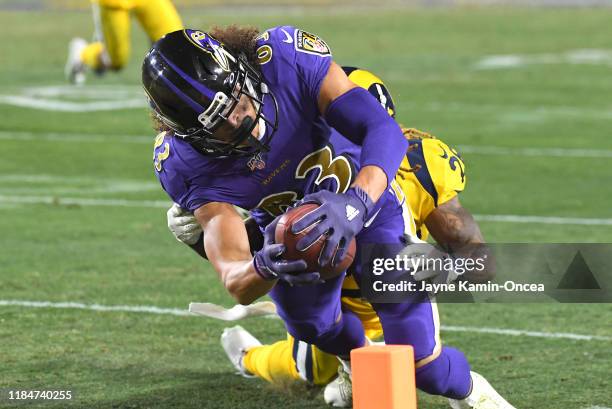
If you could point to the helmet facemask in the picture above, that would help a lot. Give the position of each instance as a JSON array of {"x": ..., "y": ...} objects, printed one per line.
[{"x": 247, "y": 82}]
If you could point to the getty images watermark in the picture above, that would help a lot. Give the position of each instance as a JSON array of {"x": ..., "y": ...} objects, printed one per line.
[
  {"x": 487, "y": 273},
  {"x": 445, "y": 266}
]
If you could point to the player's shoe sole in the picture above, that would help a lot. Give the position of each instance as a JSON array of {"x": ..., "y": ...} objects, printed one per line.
[{"x": 236, "y": 341}]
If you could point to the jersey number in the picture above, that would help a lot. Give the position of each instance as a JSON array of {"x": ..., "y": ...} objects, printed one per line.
[
  {"x": 338, "y": 168},
  {"x": 162, "y": 154}
]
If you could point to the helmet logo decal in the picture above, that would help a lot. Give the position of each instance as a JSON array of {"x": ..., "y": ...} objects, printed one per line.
[{"x": 210, "y": 45}]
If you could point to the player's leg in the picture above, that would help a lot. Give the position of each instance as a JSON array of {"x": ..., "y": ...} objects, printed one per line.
[
  {"x": 158, "y": 17},
  {"x": 414, "y": 320},
  {"x": 298, "y": 361},
  {"x": 313, "y": 314},
  {"x": 116, "y": 32},
  {"x": 290, "y": 360},
  {"x": 439, "y": 370}
]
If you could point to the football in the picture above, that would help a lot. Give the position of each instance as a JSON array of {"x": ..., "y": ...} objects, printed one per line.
[{"x": 283, "y": 235}]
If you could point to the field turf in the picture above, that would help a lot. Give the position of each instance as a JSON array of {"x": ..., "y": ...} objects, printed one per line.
[{"x": 106, "y": 252}]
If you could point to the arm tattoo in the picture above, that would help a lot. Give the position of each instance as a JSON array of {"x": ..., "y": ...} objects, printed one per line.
[{"x": 453, "y": 226}]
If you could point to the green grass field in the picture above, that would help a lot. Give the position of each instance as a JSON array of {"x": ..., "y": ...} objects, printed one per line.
[{"x": 105, "y": 252}]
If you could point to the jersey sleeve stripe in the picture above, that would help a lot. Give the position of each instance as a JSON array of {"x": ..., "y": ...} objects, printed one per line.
[
  {"x": 417, "y": 157},
  {"x": 309, "y": 364}
]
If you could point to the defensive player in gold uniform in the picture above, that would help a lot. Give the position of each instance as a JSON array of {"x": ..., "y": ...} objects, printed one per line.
[
  {"x": 429, "y": 180},
  {"x": 111, "y": 49}
]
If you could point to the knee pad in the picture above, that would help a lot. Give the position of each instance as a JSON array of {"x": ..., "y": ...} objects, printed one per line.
[{"x": 448, "y": 375}]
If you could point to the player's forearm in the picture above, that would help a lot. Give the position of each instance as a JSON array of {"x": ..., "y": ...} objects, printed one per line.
[
  {"x": 226, "y": 243},
  {"x": 235, "y": 267},
  {"x": 372, "y": 180},
  {"x": 243, "y": 283},
  {"x": 255, "y": 239}
]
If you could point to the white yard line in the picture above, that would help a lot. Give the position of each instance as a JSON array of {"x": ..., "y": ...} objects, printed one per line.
[
  {"x": 81, "y": 138},
  {"x": 52, "y": 200},
  {"x": 16, "y": 184},
  {"x": 148, "y": 309},
  {"x": 96, "y": 307},
  {"x": 64, "y": 106},
  {"x": 518, "y": 332},
  {"x": 71, "y": 201},
  {"x": 579, "y": 56},
  {"x": 471, "y": 149},
  {"x": 554, "y": 152},
  {"x": 77, "y": 99},
  {"x": 511, "y": 218}
]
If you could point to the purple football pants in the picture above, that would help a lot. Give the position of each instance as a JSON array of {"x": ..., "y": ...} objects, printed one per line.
[{"x": 313, "y": 314}]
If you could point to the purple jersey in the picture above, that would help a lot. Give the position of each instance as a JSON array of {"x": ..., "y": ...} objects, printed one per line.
[{"x": 305, "y": 154}]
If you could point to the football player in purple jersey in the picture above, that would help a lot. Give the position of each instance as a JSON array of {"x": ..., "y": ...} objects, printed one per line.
[{"x": 260, "y": 122}]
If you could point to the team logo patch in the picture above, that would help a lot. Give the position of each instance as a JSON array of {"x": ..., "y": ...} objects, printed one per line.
[
  {"x": 256, "y": 163},
  {"x": 310, "y": 43},
  {"x": 210, "y": 45}
]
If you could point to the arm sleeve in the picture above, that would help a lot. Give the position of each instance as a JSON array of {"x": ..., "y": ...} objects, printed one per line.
[{"x": 358, "y": 116}]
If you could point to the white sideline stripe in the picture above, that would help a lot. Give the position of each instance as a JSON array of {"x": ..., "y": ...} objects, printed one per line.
[
  {"x": 474, "y": 149},
  {"x": 580, "y": 56},
  {"x": 598, "y": 407},
  {"x": 554, "y": 152},
  {"x": 64, "y": 106},
  {"x": 88, "y": 91},
  {"x": 67, "y": 201},
  {"x": 517, "y": 332},
  {"x": 97, "y": 307},
  {"x": 66, "y": 185},
  {"x": 83, "y": 201},
  {"x": 510, "y": 218},
  {"x": 61, "y": 137},
  {"x": 182, "y": 312}
]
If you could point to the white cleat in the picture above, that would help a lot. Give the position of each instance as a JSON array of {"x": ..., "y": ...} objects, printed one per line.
[
  {"x": 339, "y": 392},
  {"x": 236, "y": 341},
  {"x": 75, "y": 69},
  {"x": 483, "y": 396}
]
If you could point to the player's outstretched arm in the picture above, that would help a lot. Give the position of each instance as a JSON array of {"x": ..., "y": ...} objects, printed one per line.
[
  {"x": 357, "y": 115},
  {"x": 455, "y": 229},
  {"x": 226, "y": 244}
]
